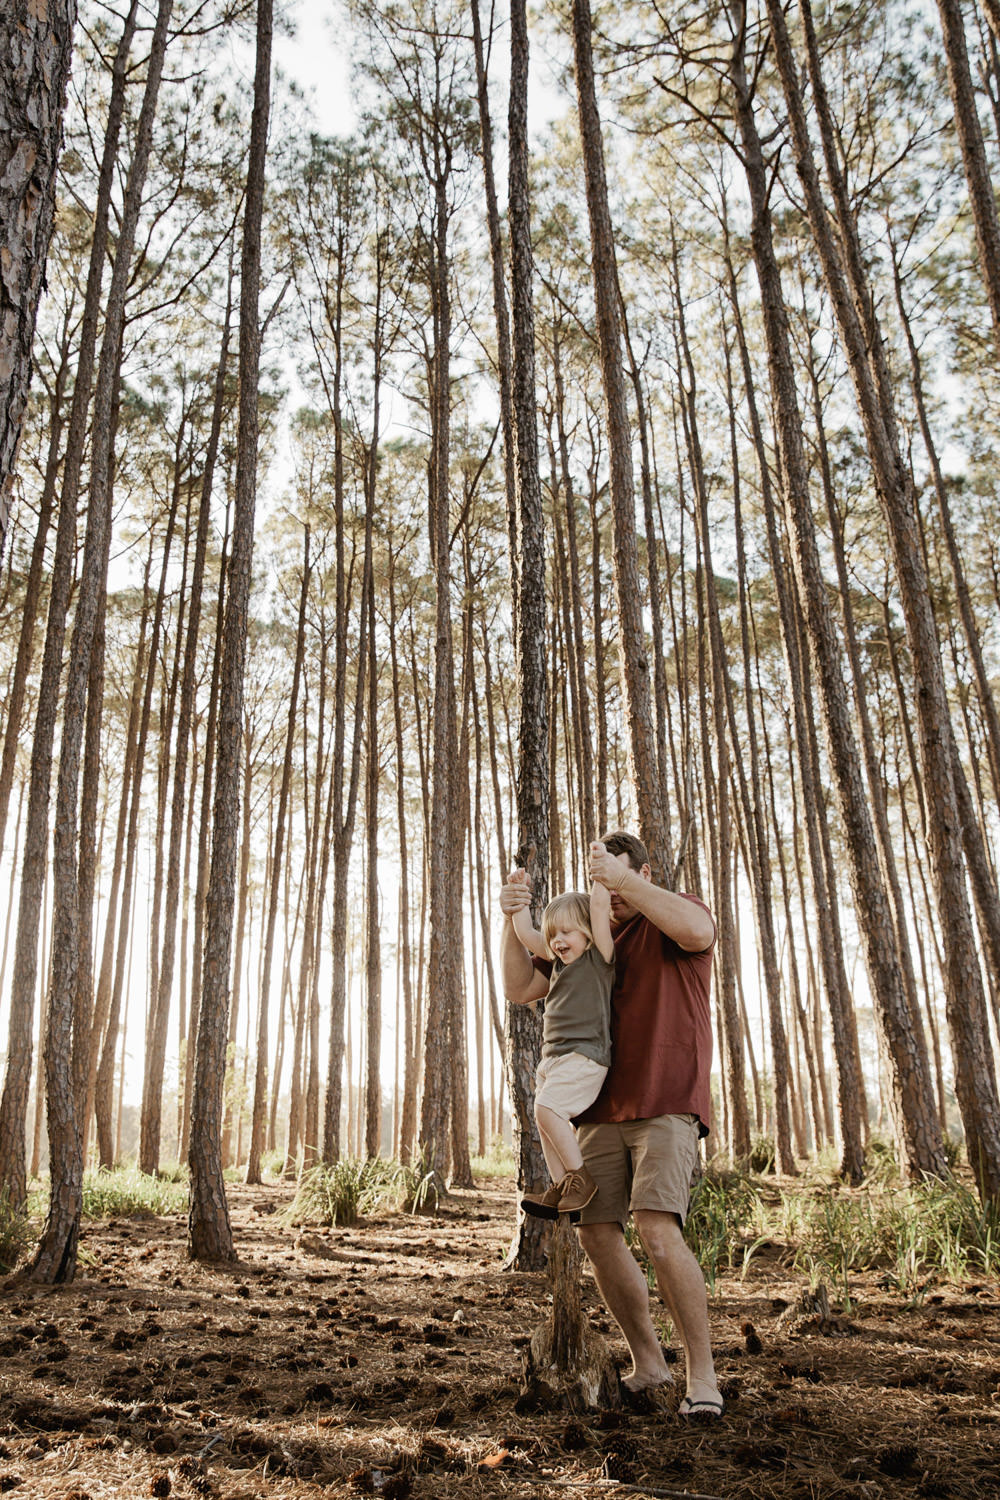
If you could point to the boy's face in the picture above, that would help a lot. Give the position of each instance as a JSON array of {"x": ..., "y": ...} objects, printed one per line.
[
  {"x": 568, "y": 942},
  {"x": 622, "y": 910}
]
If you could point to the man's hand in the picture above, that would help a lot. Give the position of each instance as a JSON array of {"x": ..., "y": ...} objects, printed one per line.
[
  {"x": 515, "y": 895},
  {"x": 632, "y": 891},
  {"x": 605, "y": 869}
]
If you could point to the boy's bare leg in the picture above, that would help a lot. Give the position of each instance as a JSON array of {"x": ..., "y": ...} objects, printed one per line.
[
  {"x": 559, "y": 1143},
  {"x": 623, "y": 1287},
  {"x": 682, "y": 1287}
]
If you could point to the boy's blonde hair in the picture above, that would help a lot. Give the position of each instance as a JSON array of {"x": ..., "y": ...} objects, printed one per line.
[{"x": 571, "y": 906}]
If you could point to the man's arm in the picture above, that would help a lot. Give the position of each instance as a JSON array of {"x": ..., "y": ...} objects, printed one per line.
[
  {"x": 689, "y": 924},
  {"x": 522, "y": 982}
]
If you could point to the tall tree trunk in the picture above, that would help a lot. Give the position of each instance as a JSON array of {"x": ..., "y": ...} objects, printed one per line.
[
  {"x": 312, "y": 940},
  {"x": 209, "y": 1233},
  {"x": 243, "y": 904},
  {"x": 263, "y": 1003},
  {"x": 107, "y": 1008},
  {"x": 345, "y": 763},
  {"x": 912, "y": 1093},
  {"x": 581, "y": 641},
  {"x": 33, "y": 585},
  {"x": 408, "y": 1108},
  {"x": 500, "y": 312},
  {"x": 847, "y": 283},
  {"x": 970, "y": 138},
  {"x": 373, "y": 950},
  {"x": 36, "y": 47},
  {"x": 186, "y": 712},
  {"x": 13, "y": 1102},
  {"x": 159, "y": 1013},
  {"x": 760, "y": 864},
  {"x": 523, "y": 1031},
  {"x": 642, "y": 756},
  {"x": 55, "y": 1260},
  {"x": 444, "y": 855},
  {"x": 204, "y": 841}
]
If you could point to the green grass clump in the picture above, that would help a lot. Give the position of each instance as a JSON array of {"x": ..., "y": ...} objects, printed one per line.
[
  {"x": 912, "y": 1233},
  {"x": 16, "y": 1233},
  {"x": 915, "y": 1233},
  {"x": 125, "y": 1190},
  {"x": 497, "y": 1162},
  {"x": 173, "y": 1171},
  {"x": 349, "y": 1189},
  {"x": 272, "y": 1164},
  {"x": 725, "y": 1206}
]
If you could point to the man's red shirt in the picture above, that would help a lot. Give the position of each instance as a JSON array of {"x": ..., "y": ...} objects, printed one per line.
[{"x": 661, "y": 1028}]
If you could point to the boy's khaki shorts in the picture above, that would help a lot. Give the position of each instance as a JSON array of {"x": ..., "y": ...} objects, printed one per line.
[
  {"x": 568, "y": 1083},
  {"x": 639, "y": 1164}
]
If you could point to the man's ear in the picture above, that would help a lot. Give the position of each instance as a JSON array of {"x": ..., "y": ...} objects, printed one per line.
[{"x": 646, "y": 873}]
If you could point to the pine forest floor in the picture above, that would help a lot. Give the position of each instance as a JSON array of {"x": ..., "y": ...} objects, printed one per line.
[{"x": 387, "y": 1359}]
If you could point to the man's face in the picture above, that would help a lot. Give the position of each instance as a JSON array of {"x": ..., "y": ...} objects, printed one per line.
[{"x": 622, "y": 910}]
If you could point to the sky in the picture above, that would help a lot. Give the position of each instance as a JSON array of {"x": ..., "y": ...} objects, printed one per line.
[{"x": 316, "y": 57}]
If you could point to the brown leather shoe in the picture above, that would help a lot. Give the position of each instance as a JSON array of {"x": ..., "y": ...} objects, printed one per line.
[
  {"x": 543, "y": 1205},
  {"x": 577, "y": 1190}
]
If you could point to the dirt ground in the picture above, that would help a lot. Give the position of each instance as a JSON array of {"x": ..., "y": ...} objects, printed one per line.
[{"x": 386, "y": 1359}]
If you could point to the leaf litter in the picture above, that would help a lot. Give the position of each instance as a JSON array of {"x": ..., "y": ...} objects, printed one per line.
[{"x": 386, "y": 1359}]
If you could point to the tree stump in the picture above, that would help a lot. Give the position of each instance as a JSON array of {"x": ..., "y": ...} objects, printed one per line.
[{"x": 567, "y": 1365}]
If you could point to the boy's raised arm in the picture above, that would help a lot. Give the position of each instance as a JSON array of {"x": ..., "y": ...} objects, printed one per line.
[
  {"x": 600, "y": 921},
  {"x": 529, "y": 934}
]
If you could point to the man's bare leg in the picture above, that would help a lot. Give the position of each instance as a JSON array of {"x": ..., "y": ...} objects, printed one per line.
[
  {"x": 682, "y": 1287},
  {"x": 623, "y": 1287}
]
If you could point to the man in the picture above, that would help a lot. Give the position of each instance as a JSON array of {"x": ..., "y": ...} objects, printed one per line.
[{"x": 640, "y": 1137}]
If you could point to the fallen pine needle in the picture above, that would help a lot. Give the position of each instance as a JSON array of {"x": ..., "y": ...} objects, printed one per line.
[{"x": 620, "y": 1489}]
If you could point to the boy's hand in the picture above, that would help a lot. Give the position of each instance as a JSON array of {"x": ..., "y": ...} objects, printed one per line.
[
  {"x": 600, "y": 897},
  {"x": 515, "y": 895}
]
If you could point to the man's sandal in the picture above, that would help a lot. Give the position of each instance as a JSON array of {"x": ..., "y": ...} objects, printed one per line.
[{"x": 701, "y": 1411}]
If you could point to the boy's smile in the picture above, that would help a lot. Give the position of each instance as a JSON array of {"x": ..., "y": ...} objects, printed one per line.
[{"x": 567, "y": 943}]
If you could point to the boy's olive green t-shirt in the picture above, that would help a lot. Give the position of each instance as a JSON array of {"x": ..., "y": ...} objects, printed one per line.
[{"x": 578, "y": 1008}]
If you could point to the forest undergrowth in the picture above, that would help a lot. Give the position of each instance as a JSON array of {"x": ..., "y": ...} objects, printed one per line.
[{"x": 360, "y": 1348}]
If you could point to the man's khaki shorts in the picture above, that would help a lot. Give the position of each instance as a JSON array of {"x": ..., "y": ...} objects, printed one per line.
[
  {"x": 568, "y": 1083},
  {"x": 639, "y": 1164}
]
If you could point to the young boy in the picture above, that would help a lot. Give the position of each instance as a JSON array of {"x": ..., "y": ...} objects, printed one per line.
[{"x": 576, "y": 1036}]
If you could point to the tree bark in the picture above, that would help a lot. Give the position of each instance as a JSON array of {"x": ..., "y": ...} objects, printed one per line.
[
  {"x": 277, "y": 856},
  {"x": 55, "y": 1260},
  {"x": 159, "y": 1011},
  {"x": 642, "y": 756},
  {"x": 209, "y": 1232},
  {"x": 847, "y": 282},
  {"x": 25, "y": 973},
  {"x": 500, "y": 312},
  {"x": 523, "y": 1031},
  {"x": 970, "y": 139},
  {"x": 373, "y": 951},
  {"x": 186, "y": 709},
  {"x": 912, "y": 1092},
  {"x": 33, "y": 587},
  {"x": 36, "y": 48}
]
